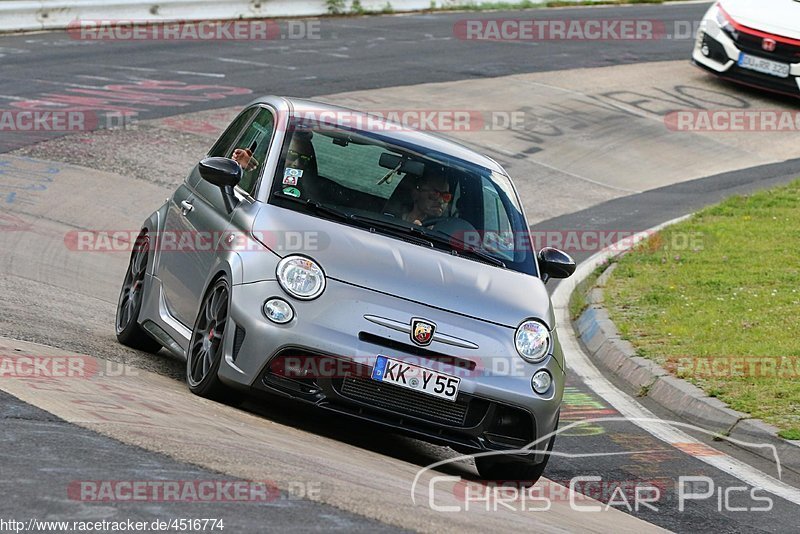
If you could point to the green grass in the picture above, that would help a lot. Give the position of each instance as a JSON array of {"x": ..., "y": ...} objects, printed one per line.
[
  {"x": 722, "y": 286},
  {"x": 579, "y": 300},
  {"x": 790, "y": 434}
]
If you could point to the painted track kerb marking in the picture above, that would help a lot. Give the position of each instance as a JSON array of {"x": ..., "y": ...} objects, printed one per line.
[{"x": 578, "y": 362}]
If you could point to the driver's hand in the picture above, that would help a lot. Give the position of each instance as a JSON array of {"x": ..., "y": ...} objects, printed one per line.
[{"x": 244, "y": 157}]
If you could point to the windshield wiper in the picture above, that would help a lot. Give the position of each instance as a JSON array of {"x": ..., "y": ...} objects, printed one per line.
[
  {"x": 480, "y": 255},
  {"x": 319, "y": 207},
  {"x": 383, "y": 223},
  {"x": 365, "y": 222},
  {"x": 462, "y": 249},
  {"x": 397, "y": 229},
  {"x": 408, "y": 232}
]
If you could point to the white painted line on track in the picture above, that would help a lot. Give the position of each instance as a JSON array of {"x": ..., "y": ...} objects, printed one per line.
[
  {"x": 193, "y": 73},
  {"x": 65, "y": 84},
  {"x": 581, "y": 365},
  {"x": 185, "y": 72},
  {"x": 256, "y": 63},
  {"x": 17, "y": 98},
  {"x": 588, "y": 98},
  {"x": 562, "y": 171},
  {"x": 99, "y": 78}
]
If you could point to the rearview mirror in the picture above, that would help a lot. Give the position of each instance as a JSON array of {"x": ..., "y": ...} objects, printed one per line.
[
  {"x": 555, "y": 264},
  {"x": 225, "y": 173},
  {"x": 391, "y": 161}
]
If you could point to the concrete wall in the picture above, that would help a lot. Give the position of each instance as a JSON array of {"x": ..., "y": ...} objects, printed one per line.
[{"x": 52, "y": 14}]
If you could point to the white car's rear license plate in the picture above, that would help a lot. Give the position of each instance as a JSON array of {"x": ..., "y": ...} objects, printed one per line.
[
  {"x": 765, "y": 66},
  {"x": 416, "y": 378}
]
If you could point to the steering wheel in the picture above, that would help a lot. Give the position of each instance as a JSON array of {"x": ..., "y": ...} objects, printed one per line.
[{"x": 434, "y": 220}]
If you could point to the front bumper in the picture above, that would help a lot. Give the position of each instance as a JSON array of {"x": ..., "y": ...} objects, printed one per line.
[
  {"x": 722, "y": 52},
  {"x": 495, "y": 381}
]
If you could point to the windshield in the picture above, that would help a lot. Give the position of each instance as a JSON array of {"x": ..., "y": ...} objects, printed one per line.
[{"x": 370, "y": 181}]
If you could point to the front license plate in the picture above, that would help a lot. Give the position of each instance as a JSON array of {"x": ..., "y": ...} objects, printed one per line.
[
  {"x": 416, "y": 378},
  {"x": 765, "y": 66}
]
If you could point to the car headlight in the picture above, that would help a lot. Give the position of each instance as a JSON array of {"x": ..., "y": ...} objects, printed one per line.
[
  {"x": 301, "y": 277},
  {"x": 718, "y": 15},
  {"x": 533, "y": 341}
]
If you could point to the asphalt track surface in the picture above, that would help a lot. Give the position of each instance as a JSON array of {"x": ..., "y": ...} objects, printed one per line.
[
  {"x": 346, "y": 54},
  {"x": 41, "y": 452}
]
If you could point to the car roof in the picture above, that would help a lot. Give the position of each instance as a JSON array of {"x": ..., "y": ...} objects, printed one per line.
[{"x": 404, "y": 135}]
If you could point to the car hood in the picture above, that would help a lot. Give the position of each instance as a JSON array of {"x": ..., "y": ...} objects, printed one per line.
[
  {"x": 781, "y": 17},
  {"x": 434, "y": 278}
]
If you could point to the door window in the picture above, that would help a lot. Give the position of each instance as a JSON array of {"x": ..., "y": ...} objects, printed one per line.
[{"x": 256, "y": 139}]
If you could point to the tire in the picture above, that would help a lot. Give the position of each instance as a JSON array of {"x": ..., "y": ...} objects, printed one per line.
[
  {"x": 131, "y": 297},
  {"x": 206, "y": 346},
  {"x": 517, "y": 469}
]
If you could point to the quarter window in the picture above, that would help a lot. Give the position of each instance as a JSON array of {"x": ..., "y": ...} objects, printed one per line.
[{"x": 222, "y": 147}]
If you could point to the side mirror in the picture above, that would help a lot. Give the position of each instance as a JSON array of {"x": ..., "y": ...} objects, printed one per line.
[
  {"x": 222, "y": 172},
  {"x": 555, "y": 264},
  {"x": 225, "y": 174}
]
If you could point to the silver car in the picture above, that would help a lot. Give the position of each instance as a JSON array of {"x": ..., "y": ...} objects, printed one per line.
[{"x": 352, "y": 263}]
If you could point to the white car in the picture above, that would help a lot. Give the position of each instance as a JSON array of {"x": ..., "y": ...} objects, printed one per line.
[{"x": 753, "y": 43}]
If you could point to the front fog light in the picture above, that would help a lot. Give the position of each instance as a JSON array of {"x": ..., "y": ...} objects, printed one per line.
[
  {"x": 278, "y": 311},
  {"x": 541, "y": 382}
]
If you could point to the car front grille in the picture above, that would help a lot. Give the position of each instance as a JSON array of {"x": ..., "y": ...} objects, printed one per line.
[
  {"x": 401, "y": 400},
  {"x": 454, "y": 361},
  {"x": 752, "y": 44}
]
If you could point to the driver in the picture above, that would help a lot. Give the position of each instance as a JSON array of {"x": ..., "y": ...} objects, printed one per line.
[{"x": 430, "y": 197}]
